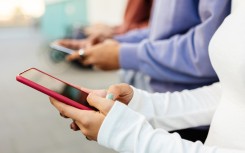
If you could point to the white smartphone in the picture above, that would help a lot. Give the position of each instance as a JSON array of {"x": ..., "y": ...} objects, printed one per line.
[{"x": 58, "y": 47}]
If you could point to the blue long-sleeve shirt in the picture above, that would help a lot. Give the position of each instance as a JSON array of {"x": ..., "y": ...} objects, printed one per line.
[{"x": 173, "y": 51}]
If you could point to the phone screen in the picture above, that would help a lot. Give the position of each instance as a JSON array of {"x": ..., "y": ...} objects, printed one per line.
[{"x": 56, "y": 86}]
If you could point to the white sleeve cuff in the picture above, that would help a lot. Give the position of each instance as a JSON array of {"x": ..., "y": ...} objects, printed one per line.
[
  {"x": 127, "y": 131},
  {"x": 117, "y": 128}
]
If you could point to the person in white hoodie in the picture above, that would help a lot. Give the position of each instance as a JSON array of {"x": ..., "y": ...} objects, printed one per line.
[{"x": 136, "y": 121}]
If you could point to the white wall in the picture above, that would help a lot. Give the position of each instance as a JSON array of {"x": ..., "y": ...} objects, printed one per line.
[{"x": 106, "y": 11}]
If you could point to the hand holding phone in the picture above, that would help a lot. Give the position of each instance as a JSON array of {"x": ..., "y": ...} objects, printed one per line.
[{"x": 55, "y": 88}]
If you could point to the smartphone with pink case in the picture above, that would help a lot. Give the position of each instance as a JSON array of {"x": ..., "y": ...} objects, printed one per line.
[{"x": 56, "y": 88}]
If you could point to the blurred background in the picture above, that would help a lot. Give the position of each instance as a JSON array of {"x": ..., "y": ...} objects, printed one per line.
[{"x": 28, "y": 122}]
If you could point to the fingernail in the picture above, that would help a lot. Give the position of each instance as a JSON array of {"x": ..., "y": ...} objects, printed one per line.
[
  {"x": 109, "y": 96},
  {"x": 72, "y": 126}
]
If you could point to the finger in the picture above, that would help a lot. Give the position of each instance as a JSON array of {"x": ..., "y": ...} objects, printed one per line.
[
  {"x": 74, "y": 56},
  {"x": 90, "y": 42},
  {"x": 88, "y": 138},
  {"x": 74, "y": 126},
  {"x": 66, "y": 110},
  {"x": 120, "y": 92},
  {"x": 63, "y": 116},
  {"x": 88, "y": 61},
  {"x": 63, "y": 42},
  {"x": 102, "y": 104},
  {"x": 100, "y": 92},
  {"x": 68, "y": 43},
  {"x": 72, "y": 43},
  {"x": 76, "y": 44},
  {"x": 93, "y": 40},
  {"x": 115, "y": 91},
  {"x": 109, "y": 96}
]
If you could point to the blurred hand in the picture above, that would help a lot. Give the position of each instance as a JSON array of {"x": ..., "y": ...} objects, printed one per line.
[
  {"x": 104, "y": 56},
  {"x": 121, "y": 92},
  {"x": 102, "y": 30},
  {"x": 89, "y": 122},
  {"x": 72, "y": 43},
  {"x": 76, "y": 44}
]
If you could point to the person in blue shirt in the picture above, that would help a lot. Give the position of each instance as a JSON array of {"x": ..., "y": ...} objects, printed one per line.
[{"x": 172, "y": 51}]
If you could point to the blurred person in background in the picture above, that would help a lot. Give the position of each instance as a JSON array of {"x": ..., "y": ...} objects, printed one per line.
[
  {"x": 136, "y": 16},
  {"x": 172, "y": 51},
  {"x": 135, "y": 121}
]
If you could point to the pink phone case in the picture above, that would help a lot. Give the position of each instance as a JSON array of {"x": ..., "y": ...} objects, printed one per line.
[{"x": 50, "y": 92}]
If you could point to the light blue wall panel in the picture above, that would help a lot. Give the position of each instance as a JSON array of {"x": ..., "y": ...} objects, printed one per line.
[{"x": 62, "y": 15}]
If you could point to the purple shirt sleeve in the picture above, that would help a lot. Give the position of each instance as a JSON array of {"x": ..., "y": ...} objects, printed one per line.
[
  {"x": 172, "y": 54},
  {"x": 133, "y": 36}
]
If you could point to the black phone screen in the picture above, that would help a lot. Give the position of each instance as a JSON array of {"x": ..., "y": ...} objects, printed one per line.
[{"x": 56, "y": 86}]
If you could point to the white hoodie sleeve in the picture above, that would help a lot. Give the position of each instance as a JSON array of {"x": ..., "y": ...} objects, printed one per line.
[
  {"x": 125, "y": 130},
  {"x": 178, "y": 110}
]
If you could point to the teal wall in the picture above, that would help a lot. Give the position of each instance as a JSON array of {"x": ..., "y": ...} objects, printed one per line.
[{"x": 62, "y": 15}]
